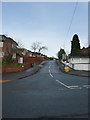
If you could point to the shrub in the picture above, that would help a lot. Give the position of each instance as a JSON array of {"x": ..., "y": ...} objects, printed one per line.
[{"x": 8, "y": 59}]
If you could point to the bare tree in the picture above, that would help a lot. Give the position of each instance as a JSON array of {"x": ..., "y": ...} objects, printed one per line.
[
  {"x": 42, "y": 48},
  {"x": 20, "y": 44},
  {"x": 35, "y": 46}
]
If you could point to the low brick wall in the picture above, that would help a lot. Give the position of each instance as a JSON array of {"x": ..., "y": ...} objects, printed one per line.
[
  {"x": 27, "y": 61},
  {"x": 34, "y": 60},
  {"x": 7, "y": 69},
  {"x": 12, "y": 69}
]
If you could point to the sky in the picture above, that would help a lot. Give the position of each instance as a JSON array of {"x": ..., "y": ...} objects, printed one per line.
[{"x": 45, "y": 22}]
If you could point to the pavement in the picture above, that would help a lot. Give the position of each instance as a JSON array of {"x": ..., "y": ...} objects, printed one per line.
[
  {"x": 7, "y": 77},
  {"x": 74, "y": 72}
]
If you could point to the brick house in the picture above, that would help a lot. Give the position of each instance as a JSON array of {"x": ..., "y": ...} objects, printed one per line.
[
  {"x": 7, "y": 47},
  {"x": 10, "y": 47},
  {"x": 30, "y": 53},
  {"x": 22, "y": 51}
]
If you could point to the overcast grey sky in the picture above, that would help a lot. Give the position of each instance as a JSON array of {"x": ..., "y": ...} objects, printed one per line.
[{"x": 46, "y": 22}]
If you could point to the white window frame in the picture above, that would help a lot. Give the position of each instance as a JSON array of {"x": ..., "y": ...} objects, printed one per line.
[
  {"x": 14, "y": 55},
  {"x": 2, "y": 54},
  {"x": 1, "y": 44}
]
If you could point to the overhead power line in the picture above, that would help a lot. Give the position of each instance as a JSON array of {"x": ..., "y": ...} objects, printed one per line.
[{"x": 71, "y": 20}]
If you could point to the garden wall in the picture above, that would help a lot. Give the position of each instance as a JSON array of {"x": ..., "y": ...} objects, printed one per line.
[{"x": 27, "y": 61}]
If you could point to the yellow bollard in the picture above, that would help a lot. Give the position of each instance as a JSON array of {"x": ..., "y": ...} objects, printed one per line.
[{"x": 66, "y": 69}]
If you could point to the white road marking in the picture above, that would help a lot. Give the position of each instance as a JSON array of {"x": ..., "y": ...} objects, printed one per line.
[
  {"x": 69, "y": 87},
  {"x": 51, "y": 75},
  {"x": 49, "y": 70},
  {"x": 49, "y": 67},
  {"x": 63, "y": 84},
  {"x": 75, "y": 87},
  {"x": 86, "y": 86}
]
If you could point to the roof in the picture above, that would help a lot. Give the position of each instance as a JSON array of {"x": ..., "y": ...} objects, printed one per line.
[
  {"x": 80, "y": 57},
  {"x": 11, "y": 40},
  {"x": 4, "y": 38},
  {"x": 84, "y": 52}
]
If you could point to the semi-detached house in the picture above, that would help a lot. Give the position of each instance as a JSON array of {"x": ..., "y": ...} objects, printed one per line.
[
  {"x": 7, "y": 47},
  {"x": 10, "y": 47}
]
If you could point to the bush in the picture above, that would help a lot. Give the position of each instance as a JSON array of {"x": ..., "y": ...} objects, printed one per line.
[
  {"x": 38, "y": 58},
  {"x": 8, "y": 59}
]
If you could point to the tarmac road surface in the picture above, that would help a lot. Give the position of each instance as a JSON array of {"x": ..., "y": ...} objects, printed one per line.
[{"x": 48, "y": 93}]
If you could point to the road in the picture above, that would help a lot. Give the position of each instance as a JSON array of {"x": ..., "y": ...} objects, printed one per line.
[{"x": 48, "y": 93}]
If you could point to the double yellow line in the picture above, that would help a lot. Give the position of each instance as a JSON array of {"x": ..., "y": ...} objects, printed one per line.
[{"x": 2, "y": 81}]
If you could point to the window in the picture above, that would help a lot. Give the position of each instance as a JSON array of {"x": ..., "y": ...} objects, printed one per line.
[
  {"x": 14, "y": 55},
  {"x": 0, "y": 37},
  {"x": 1, "y": 44},
  {"x": 13, "y": 46},
  {"x": 1, "y": 54}
]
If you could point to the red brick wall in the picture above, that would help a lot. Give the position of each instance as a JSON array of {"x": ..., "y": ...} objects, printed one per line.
[
  {"x": 35, "y": 60},
  {"x": 7, "y": 48},
  {"x": 27, "y": 61},
  {"x": 0, "y": 48},
  {"x": 11, "y": 69}
]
